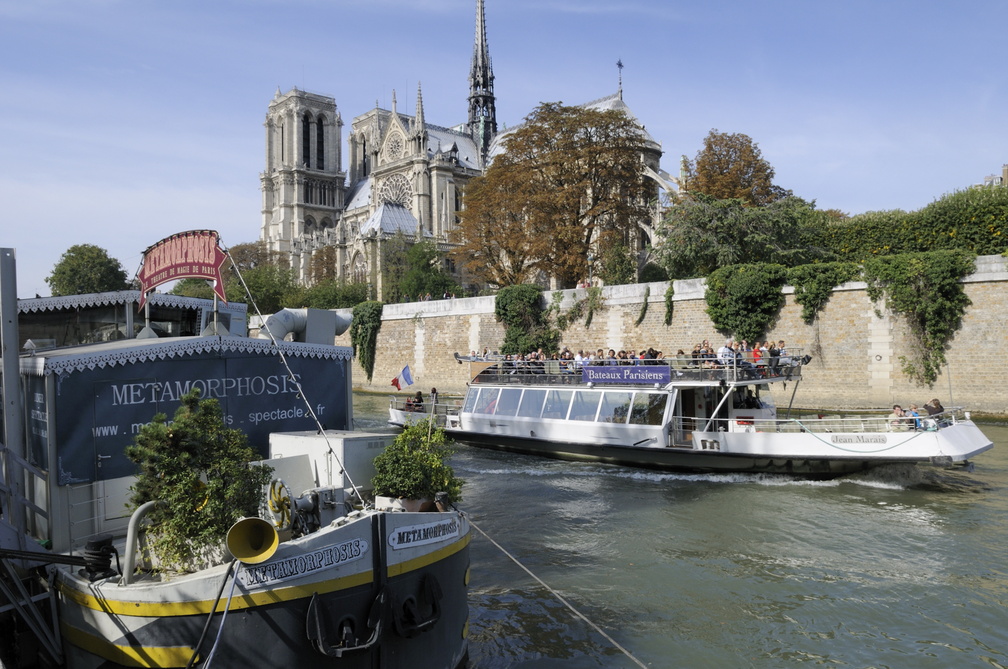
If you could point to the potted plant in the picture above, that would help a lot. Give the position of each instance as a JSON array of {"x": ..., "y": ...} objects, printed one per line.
[
  {"x": 413, "y": 469},
  {"x": 202, "y": 470}
]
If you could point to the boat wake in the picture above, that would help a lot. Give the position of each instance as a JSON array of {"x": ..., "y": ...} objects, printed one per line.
[{"x": 886, "y": 477}]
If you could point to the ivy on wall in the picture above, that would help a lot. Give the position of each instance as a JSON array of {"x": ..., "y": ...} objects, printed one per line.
[
  {"x": 526, "y": 327},
  {"x": 813, "y": 284},
  {"x": 927, "y": 290},
  {"x": 643, "y": 308},
  {"x": 745, "y": 300},
  {"x": 364, "y": 327},
  {"x": 669, "y": 303}
]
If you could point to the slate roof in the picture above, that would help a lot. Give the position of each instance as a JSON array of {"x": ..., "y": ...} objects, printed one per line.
[{"x": 390, "y": 218}]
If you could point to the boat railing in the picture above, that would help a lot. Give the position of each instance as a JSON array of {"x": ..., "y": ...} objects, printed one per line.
[
  {"x": 706, "y": 371},
  {"x": 825, "y": 424}
]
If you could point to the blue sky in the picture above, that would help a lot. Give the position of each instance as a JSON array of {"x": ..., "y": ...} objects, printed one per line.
[{"x": 125, "y": 121}]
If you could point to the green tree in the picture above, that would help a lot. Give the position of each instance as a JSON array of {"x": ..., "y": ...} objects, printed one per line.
[
  {"x": 394, "y": 266},
  {"x": 731, "y": 166},
  {"x": 424, "y": 274},
  {"x": 569, "y": 182},
  {"x": 619, "y": 266},
  {"x": 701, "y": 234},
  {"x": 332, "y": 294},
  {"x": 86, "y": 268}
]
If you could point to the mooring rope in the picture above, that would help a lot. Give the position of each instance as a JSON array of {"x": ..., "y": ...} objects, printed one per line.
[{"x": 560, "y": 597}]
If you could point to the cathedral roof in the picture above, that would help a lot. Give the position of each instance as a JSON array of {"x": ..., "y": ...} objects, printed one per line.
[
  {"x": 360, "y": 194},
  {"x": 607, "y": 103},
  {"x": 390, "y": 218}
]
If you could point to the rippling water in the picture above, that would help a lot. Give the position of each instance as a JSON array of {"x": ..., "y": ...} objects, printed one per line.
[{"x": 900, "y": 567}]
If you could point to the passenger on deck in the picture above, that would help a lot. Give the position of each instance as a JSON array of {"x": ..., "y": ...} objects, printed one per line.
[
  {"x": 418, "y": 402},
  {"x": 913, "y": 417},
  {"x": 897, "y": 420},
  {"x": 934, "y": 407}
]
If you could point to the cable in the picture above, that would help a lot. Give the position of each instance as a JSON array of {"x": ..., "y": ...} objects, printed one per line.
[
  {"x": 213, "y": 609},
  {"x": 560, "y": 597},
  {"x": 220, "y": 630}
]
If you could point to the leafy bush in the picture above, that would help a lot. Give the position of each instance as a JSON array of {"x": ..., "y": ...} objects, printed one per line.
[
  {"x": 745, "y": 300},
  {"x": 414, "y": 465},
  {"x": 201, "y": 469},
  {"x": 526, "y": 326}
]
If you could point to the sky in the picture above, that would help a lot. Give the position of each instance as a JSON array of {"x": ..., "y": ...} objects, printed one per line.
[{"x": 125, "y": 121}]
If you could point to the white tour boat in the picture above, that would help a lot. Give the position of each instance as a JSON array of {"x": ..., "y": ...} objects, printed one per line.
[{"x": 683, "y": 415}]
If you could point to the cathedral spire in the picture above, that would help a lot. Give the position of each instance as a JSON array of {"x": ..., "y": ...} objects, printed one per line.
[
  {"x": 482, "y": 108},
  {"x": 419, "y": 109}
]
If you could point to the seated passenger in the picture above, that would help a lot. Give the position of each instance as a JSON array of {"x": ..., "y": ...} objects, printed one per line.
[
  {"x": 897, "y": 421},
  {"x": 418, "y": 402}
]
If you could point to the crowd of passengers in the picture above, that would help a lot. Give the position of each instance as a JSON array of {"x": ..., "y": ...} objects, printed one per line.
[{"x": 732, "y": 354}]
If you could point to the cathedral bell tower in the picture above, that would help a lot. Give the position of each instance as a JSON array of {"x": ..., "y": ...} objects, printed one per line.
[{"x": 482, "y": 109}]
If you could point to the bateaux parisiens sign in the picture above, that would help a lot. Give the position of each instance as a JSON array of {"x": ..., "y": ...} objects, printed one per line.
[{"x": 626, "y": 374}]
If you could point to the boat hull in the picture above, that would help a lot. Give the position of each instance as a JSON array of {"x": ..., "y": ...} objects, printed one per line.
[
  {"x": 778, "y": 447},
  {"x": 402, "y": 573}
]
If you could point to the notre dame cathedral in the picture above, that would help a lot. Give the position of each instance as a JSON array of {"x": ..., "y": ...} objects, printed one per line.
[{"x": 405, "y": 175}]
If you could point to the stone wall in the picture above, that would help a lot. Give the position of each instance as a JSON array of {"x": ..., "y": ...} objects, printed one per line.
[{"x": 856, "y": 354}]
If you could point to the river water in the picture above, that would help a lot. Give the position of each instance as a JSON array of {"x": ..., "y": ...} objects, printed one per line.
[{"x": 902, "y": 567}]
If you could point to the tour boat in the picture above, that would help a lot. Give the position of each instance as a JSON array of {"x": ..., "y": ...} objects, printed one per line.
[{"x": 685, "y": 415}]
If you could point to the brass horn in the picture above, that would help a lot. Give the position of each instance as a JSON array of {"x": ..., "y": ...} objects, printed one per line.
[{"x": 252, "y": 540}]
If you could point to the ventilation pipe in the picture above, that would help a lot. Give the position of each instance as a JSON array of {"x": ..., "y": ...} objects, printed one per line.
[{"x": 315, "y": 326}]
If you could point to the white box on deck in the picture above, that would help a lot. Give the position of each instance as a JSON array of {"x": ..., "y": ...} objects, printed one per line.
[{"x": 355, "y": 450}]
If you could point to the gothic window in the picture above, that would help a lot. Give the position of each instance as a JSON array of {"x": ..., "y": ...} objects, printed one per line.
[
  {"x": 394, "y": 147},
  {"x": 396, "y": 189},
  {"x": 320, "y": 144},
  {"x": 306, "y": 138},
  {"x": 359, "y": 269}
]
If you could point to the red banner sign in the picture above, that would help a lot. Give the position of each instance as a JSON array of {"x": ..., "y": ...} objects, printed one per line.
[{"x": 195, "y": 254}]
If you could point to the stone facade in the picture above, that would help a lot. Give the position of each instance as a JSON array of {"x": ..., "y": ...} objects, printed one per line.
[{"x": 856, "y": 354}]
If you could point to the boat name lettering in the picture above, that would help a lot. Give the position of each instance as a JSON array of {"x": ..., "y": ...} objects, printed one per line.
[
  {"x": 124, "y": 394},
  {"x": 631, "y": 374},
  {"x": 299, "y": 565},
  {"x": 858, "y": 438},
  {"x": 418, "y": 535}
]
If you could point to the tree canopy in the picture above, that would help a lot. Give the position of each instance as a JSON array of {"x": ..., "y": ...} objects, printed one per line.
[
  {"x": 702, "y": 234},
  {"x": 569, "y": 183},
  {"x": 731, "y": 166},
  {"x": 86, "y": 268}
]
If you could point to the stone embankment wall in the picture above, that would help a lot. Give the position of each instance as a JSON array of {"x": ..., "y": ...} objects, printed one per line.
[{"x": 855, "y": 354}]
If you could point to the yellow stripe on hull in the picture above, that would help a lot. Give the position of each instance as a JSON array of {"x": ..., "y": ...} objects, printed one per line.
[{"x": 128, "y": 656}]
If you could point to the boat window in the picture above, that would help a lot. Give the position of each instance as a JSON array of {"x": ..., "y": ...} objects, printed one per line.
[
  {"x": 470, "y": 400},
  {"x": 532, "y": 402},
  {"x": 556, "y": 403},
  {"x": 615, "y": 407},
  {"x": 648, "y": 408},
  {"x": 585, "y": 405},
  {"x": 507, "y": 404},
  {"x": 487, "y": 402}
]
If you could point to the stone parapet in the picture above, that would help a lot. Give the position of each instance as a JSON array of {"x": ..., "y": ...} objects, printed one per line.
[{"x": 856, "y": 355}]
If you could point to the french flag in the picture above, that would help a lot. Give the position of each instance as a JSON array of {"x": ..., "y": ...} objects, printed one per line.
[{"x": 404, "y": 378}]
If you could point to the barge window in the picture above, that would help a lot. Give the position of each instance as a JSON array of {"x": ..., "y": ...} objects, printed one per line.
[
  {"x": 532, "y": 402},
  {"x": 615, "y": 407},
  {"x": 585, "y": 405},
  {"x": 507, "y": 404},
  {"x": 470, "y": 400},
  {"x": 648, "y": 408},
  {"x": 556, "y": 403},
  {"x": 487, "y": 402}
]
